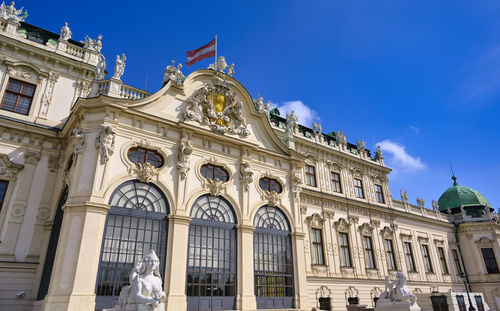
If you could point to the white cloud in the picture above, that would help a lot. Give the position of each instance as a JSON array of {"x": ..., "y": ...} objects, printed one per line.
[
  {"x": 399, "y": 158},
  {"x": 306, "y": 115},
  {"x": 415, "y": 129}
]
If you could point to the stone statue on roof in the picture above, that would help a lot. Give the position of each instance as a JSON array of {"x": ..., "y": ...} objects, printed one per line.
[
  {"x": 230, "y": 70},
  {"x": 173, "y": 74},
  {"x": 292, "y": 122},
  {"x": 65, "y": 32},
  {"x": 93, "y": 44},
  {"x": 119, "y": 66},
  {"x": 100, "y": 69},
  {"x": 261, "y": 107},
  {"x": 11, "y": 14},
  {"x": 361, "y": 146},
  {"x": 341, "y": 139}
]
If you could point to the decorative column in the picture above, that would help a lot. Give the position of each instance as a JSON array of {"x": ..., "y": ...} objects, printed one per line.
[
  {"x": 72, "y": 285},
  {"x": 175, "y": 274},
  {"x": 245, "y": 299},
  {"x": 301, "y": 298}
]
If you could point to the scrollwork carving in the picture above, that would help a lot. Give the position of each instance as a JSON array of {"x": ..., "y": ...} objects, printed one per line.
[
  {"x": 185, "y": 151},
  {"x": 105, "y": 142},
  {"x": 246, "y": 175},
  {"x": 342, "y": 225},
  {"x": 315, "y": 220},
  {"x": 145, "y": 172}
]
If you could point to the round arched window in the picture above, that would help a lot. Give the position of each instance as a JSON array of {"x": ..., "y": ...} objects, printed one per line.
[
  {"x": 210, "y": 171},
  {"x": 269, "y": 184},
  {"x": 141, "y": 155}
]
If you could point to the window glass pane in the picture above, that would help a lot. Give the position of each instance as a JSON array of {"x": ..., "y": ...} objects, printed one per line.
[
  {"x": 18, "y": 97},
  {"x": 336, "y": 186},
  {"x": 154, "y": 158},
  {"x": 490, "y": 260},
  {"x": 358, "y": 188},
  {"x": 3, "y": 191},
  {"x": 221, "y": 174}
]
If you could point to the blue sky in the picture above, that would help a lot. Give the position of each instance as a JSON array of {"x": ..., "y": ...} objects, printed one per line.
[{"x": 420, "y": 77}]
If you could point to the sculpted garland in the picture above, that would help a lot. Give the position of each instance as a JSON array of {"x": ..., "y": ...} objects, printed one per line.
[{"x": 217, "y": 107}]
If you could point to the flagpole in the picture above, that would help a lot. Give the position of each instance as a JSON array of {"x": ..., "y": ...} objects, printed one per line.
[{"x": 215, "y": 48}]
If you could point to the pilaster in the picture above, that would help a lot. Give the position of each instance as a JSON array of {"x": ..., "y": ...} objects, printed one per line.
[
  {"x": 74, "y": 275},
  {"x": 301, "y": 298},
  {"x": 246, "y": 295}
]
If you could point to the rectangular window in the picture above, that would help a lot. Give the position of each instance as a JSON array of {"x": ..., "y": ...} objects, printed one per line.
[
  {"x": 369, "y": 257},
  {"x": 427, "y": 259},
  {"x": 409, "y": 257},
  {"x": 310, "y": 176},
  {"x": 317, "y": 247},
  {"x": 490, "y": 260},
  {"x": 379, "y": 193},
  {"x": 18, "y": 97},
  {"x": 336, "y": 186},
  {"x": 391, "y": 260},
  {"x": 457, "y": 261},
  {"x": 442, "y": 259},
  {"x": 479, "y": 303},
  {"x": 345, "y": 254},
  {"x": 358, "y": 188},
  {"x": 3, "y": 191},
  {"x": 461, "y": 303}
]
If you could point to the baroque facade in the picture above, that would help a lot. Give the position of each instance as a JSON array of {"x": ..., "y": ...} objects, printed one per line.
[{"x": 245, "y": 208}]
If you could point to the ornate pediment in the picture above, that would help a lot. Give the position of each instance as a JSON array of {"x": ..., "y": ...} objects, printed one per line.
[
  {"x": 342, "y": 225},
  {"x": 366, "y": 229},
  {"x": 217, "y": 106},
  {"x": 315, "y": 221},
  {"x": 8, "y": 169}
]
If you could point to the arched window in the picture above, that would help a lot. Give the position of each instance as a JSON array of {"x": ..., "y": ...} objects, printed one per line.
[
  {"x": 52, "y": 247},
  {"x": 210, "y": 171},
  {"x": 269, "y": 184},
  {"x": 273, "y": 273},
  {"x": 135, "y": 224},
  {"x": 142, "y": 155},
  {"x": 211, "y": 267}
]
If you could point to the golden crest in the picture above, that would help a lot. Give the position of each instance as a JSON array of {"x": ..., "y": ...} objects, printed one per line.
[{"x": 219, "y": 102}]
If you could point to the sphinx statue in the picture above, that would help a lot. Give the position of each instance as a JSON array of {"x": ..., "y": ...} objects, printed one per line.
[
  {"x": 397, "y": 296},
  {"x": 145, "y": 291}
]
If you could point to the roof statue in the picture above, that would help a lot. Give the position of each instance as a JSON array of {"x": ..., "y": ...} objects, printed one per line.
[
  {"x": 378, "y": 154},
  {"x": 221, "y": 65},
  {"x": 361, "y": 146},
  {"x": 65, "y": 32},
  {"x": 260, "y": 106},
  {"x": 93, "y": 44},
  {"x": 145, "y": 289},
  {"x": 341, "y": 139},
  {"x": 11, "y": 14},
  {"x": 173, "y": 74},
  {"x": 292, "y": 122},
  {"x": 100, "y": 69},
  {"x": 230, "y": 70},
  {"x": 119, "y": 66}
]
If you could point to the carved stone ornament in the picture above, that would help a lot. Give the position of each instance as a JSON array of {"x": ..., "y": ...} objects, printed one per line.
[
  {"x": 353, "y": 219},
  {"x": 315, "y": 220},
  {"x": 292, "y": 124},
  {"x": 421, "y": 202},
  {"x": 214, "y": 186},
  {"x": 8, "y": 169},
  {"x": 404, "y": 196},
  {"x": 47, "y": 96},
  {"x": 435, "y": 205},
  {"x": 342, "y": 225},
  {"x": 83, "y": 88},
  {"x": 261, "y": 106},
  {"x": 216, "y": 106},
  {"x": 78, "y": 140},
  {"x": 351, "y": 292},
  {"x": 484, "y": 242},
  {"x": 43, "y": 214},
  {"x": 32, "y": 157},
  {"x": 93, "y": 44},
  {"x": 246, "y": 175},
  {"x": 173, "y": 74},
  {"x": 185, "y": 150},
  {"x": 361, "y": 147},
  {"x": 296, "y": 182},
  {"x": 303, "y": 209},
  {"x": 366, "y": 229},
  {"x": 65, "y": 32},
  {"x": 406, "y": 237},
  {"x": 328, "y": 214},
  {"x": 323, "y": 291},
  {"x": 145, "y": 172},
  {"x": 397, "y": 296},
  {"x": 341, "y": 139},
  {"x": 23, "y": 74},
  {"x": 105, "y": 142},
  {"x": 271, "y": 197},
  {"x": 221, "y": 65},
  {"x": 387, "y": 233},
  {"x": 11, "y": 14},
  {"x": 54, "y": 162},
  {"x": 120, "y": 64}
]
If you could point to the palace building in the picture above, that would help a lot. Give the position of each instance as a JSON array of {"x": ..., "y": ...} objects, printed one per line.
[{"x": 246, "y": 208}]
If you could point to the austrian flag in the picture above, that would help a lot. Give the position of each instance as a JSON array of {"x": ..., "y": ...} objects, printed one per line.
[{"x": 208, "y": 50}]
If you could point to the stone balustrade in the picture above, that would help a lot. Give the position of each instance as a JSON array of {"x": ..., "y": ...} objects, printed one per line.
[
  {"x": 75, "y": 51},
  {"x": 116, "y": 88},
  {"x": 131, "y": 92}
]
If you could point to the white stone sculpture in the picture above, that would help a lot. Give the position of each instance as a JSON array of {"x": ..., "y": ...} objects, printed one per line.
[
  {"x": 100, "y": 69},
  {"x": 78, "y": 138},
  {"x": 145, "y": 172},
  {"x": 317, "y": 127},
  {"x": 93, "y": 44},
  {"x": 49, "y": 90},
  {"x": 173, "y": 74},
  {"x": 260, "y": 106},
  {"x": 65, "y": 32},
  {"x": 361, "y": 147},
  {"x": 145, "y": 291},
  {"x": 435, "y": 205},
  {"x": 119, "y": 66},
  {"x": 230, "y": 70},
  {"x": 378, "y": 154},
  {"x": 11, "y": 14},
  {"x": 341, "y": 139},
  {"x": 292, "y": 122},
  {"x": 421, "y": 202},
  {"x": 397, "y": 297},
  {"x": 105, "y": 142},
  {"x": 246, "y": 175},
  {"x": 404, "y": 196},
  {"x": 185, "y": 151}
]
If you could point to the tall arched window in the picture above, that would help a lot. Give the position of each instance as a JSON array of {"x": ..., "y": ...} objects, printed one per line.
[
  {"x": 273, "y": 273},
  {"x": 52, "y": 247},
  {"x": 211, "y": 266},
  {"x": 136, "y": 223}
]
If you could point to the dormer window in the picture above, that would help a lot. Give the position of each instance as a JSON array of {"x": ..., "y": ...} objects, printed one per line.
[
  {"x": 210, "y": 171},
  {"x": 269, "y": 184},
  {"x": 141, "y": 156},
  {"x": 18, "y": 97}
]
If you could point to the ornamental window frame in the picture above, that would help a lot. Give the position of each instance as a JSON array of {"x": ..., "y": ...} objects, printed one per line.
[
  {"x": 408, "y": 253},
  {"x": 25, "y": 73},
  {"x": 358, "y": 189},
  {"x": 310, "y": 176},
  {"x": 342, "y": 227},
  {"x": 491, "y": 263},
  {"x": 442, "y": 259},
  {"x": 366, "y": 231},
  {"x": 146, "y": 151},
  {"x": 426, "y": 255},
  {"x": 18, "y": 95},
  {"x": 271, "y": 179},
  {"x": 336, "y": 183},
  {"x": 379, "y": 193},
  {"x": 456, "y": 259},
  {"x": 8, "y": 174},
  {"x": 214, "y": 176},
  {"x": 316, "y": 222},
  {"x": 388, "y": 235}
]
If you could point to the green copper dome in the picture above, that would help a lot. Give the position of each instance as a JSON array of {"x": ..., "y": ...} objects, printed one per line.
[{"x": 457, "y": 195}]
